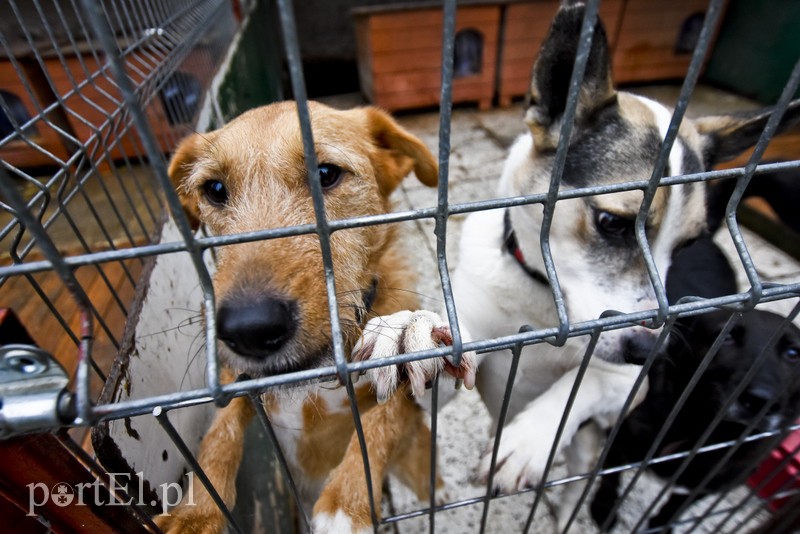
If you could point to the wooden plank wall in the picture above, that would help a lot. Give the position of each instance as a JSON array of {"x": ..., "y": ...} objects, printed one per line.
[
  {"x": 399, "y": 48},
  {"x": 400, "y": 56}
]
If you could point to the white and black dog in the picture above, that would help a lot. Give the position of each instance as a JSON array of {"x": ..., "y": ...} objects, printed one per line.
[{"x": 500, "y": 281}]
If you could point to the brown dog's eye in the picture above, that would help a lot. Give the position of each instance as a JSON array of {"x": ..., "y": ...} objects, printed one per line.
[
  {"x": 215, "y": 192},
  {"x": 330, "y": 175},
  {"x": 612, "y": 225}
]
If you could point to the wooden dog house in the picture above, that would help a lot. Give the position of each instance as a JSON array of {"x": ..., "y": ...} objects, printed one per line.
[
  {"x": 400, "y": 54},
  {"x": 399, "y": 47}
]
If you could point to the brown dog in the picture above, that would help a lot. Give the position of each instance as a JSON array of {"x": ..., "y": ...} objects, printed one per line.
[{"x": 272, "y": 307}]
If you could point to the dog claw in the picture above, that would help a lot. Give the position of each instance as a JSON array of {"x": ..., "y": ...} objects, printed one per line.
[{"x": 406, "y": 332}]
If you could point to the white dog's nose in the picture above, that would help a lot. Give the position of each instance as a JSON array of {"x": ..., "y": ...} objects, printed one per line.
[{"x": 637, "y": 344}]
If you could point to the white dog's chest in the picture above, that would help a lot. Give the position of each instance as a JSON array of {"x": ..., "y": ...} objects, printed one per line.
[{"x": 494, "y": 296}]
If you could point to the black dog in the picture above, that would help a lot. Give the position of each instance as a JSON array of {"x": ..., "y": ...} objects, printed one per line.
[{"x": 770, "y": 400}]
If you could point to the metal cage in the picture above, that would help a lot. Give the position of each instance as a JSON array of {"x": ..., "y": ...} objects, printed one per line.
[{"x": 106, "y": 89}]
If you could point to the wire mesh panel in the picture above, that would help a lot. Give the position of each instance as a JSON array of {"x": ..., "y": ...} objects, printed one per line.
[
  {"x": 100, "y": 91},
  {"x": 73, "y": 156}
]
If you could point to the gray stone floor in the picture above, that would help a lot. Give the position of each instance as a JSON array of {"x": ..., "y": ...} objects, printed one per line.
[{"x": 479, "y": 143}]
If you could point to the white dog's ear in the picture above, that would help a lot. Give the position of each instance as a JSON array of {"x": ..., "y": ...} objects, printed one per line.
[
  {"x": 553, "y": 71},
  {"x": 725, "y": 137}
]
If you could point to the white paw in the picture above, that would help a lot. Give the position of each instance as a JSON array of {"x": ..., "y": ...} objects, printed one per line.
[
  {"x": 521, "y": 457},
  {"x": 404, "y": 332},
  {"x": 340, "y": 523}
]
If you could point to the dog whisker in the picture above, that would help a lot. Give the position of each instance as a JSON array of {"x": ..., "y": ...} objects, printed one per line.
[
  {"x": 191, "y": 321},
  {"x": 197, "y": 352}
]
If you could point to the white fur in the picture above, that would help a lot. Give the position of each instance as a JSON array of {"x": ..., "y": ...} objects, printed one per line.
[
  {"x": 406, "y": 331},
  {"x": 340, "y": 523},
  {"x": 528, "y": 438},
  {"x": 662, "y": 248},
  {"x": 495, "y": 296}
]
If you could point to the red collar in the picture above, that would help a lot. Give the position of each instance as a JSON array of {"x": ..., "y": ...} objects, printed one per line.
[{"x": 512, "y": 246}]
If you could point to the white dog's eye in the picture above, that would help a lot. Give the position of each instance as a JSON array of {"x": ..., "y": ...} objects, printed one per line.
[
  {"x": 612, "y": 225},
  {"x": 215, "y": 192},
  {"x": 330, "y": 175}
]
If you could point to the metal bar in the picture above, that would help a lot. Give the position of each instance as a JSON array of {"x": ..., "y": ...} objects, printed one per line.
[
  {"x": 357, "y": 222},
  {"x": 263, "y": 417},
  {"x": 14, "y": 200},
  {"x": 567, "y": 122},
  {"x": 673, "y": 414},
  {"x": 654, "y": 353},
  {"x": 569, "y": 480},
  {"x": 292, "y": 49},
  {"x": 440, "y": 230},
  {"x": 770, "y": 128},
  {"x": 501, "y": 421},
  {"x": 469, "y": 207},
  {"x": 433, "y": 455},
  {"x": 105, "y": 36},
  {"x": 563, "y": 423},
  {"x": 710, "y": 21},
  {"x": 161, "y": 416},
  {"x": 141, "y": 406}
]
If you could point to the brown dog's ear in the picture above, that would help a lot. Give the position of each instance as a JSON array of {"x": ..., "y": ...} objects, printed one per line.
[
  {"x": 725, "y": 137},
  {"x": 552, "y": 74},
  {"x": 400, "y": 153},
  {"x": 180, "y": 166}
]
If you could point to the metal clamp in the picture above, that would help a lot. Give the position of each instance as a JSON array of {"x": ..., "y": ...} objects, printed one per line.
[{"x": 33, "y": 394}]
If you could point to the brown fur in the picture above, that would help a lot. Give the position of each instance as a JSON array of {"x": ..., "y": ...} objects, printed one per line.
[
  {"x": 347, "y": 489},
  {"x": 259, "y": 158}
]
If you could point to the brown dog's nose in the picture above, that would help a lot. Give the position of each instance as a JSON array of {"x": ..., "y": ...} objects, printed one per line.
[{"x": 255, "y": 327}]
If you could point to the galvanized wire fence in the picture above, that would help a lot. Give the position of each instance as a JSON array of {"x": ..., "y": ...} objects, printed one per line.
[{"x": 108, "y": 90}]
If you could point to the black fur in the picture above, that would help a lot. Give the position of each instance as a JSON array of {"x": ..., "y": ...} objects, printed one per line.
[
  {"x": 553, "y": 68},
  {"x": 771, "y": 399},
  {"x": 741, "y": 131},
  {"x": 700, "y": 269},
  {"x": 612, "y": 146},
  {"x": 781, "y": 190}
]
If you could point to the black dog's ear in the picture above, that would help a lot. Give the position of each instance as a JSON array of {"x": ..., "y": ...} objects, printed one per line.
[
  {"x": 725, "y": 137},
  {"x": 553, "y": 71}
]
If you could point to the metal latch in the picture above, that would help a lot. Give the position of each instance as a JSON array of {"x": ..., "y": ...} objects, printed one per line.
[{"x": 33, "y": 391}]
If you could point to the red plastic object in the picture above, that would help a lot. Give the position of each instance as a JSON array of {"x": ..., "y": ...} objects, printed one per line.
[{"x": 776, "y": 475}]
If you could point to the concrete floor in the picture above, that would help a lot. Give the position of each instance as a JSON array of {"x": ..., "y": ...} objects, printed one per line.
[{"x": 479, "y": 143}]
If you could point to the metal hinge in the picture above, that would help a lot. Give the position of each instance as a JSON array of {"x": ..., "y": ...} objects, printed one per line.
[{"x": 33, "y": 391}]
